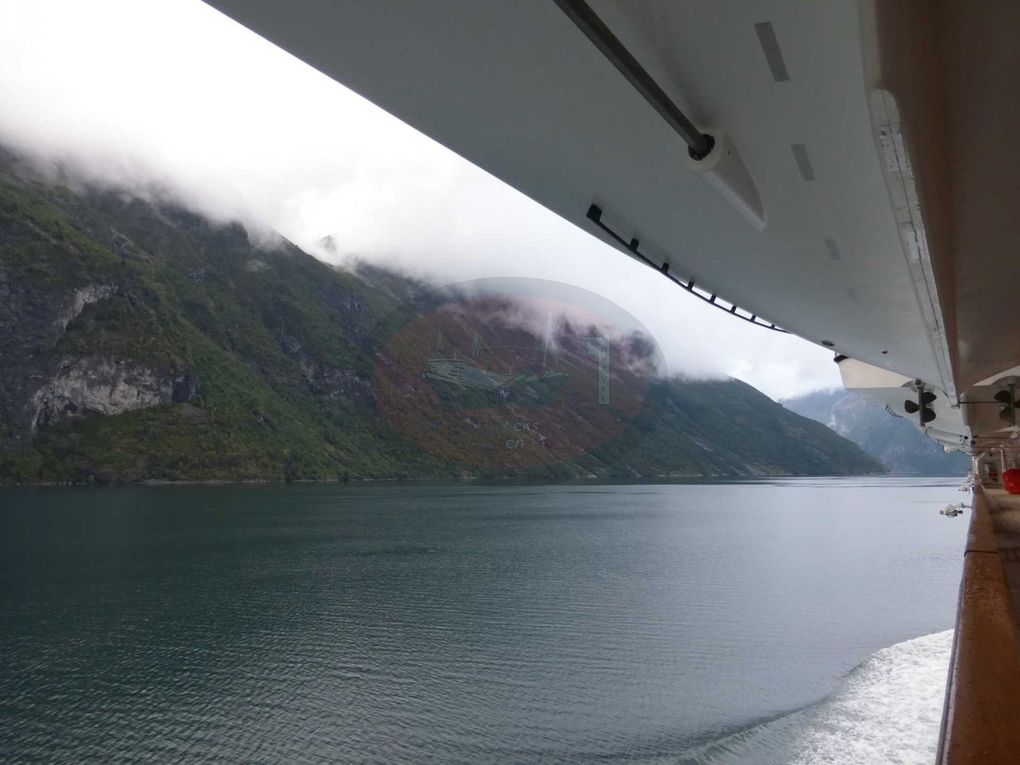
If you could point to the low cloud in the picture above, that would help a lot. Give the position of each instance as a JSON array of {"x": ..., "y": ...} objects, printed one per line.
[{"x": 170, "y": 99}]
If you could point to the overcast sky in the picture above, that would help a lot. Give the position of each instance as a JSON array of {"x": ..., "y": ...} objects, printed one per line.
[{"x": 170, "y": 94}]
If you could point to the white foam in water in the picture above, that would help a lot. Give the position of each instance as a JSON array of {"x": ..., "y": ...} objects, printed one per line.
[{"x": 888, "y": 711}]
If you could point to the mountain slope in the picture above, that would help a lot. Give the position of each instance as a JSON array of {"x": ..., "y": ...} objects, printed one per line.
[
  {"x": 901, "y": 447},
  {"x": 146, "y": 343}
]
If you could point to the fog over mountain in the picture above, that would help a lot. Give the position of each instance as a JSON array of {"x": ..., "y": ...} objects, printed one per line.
[
  {"x": 896, "y": 441},
  {"x": 144, "y": 342},
  {"x": 172, "y": 100}
]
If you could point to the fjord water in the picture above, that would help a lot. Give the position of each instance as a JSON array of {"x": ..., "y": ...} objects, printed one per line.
[{"x": 771, "y": 621}]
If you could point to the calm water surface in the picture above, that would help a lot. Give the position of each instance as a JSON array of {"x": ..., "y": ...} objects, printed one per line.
[{"x": 750, "y": 622}]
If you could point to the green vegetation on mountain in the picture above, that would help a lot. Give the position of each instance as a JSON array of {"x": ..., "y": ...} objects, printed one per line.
[{"x": 143, "y": 342}]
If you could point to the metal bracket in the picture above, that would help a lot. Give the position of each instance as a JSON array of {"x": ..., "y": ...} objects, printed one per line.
[{"x": 595, "y": 216}]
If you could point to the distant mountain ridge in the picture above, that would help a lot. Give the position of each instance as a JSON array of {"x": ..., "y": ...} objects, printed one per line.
[
  {"x": 142, "y": 343},
  {"x": 901, "y": 447}
]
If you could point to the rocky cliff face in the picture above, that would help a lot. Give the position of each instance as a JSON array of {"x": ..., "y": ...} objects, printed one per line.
[
  {"x": 141, "y": 343},
  {"x": 42, "y": 387},
  {"x": 96, "y": 385},
  {"x": 901, "y": 447},
  {"x": 79, "y": 299}
]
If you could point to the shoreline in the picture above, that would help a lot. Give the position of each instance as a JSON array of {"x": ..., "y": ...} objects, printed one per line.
[{"x": 478, "y": 481}]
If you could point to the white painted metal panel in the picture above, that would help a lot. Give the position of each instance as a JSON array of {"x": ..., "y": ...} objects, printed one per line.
[{"x": 514, "y": 87}]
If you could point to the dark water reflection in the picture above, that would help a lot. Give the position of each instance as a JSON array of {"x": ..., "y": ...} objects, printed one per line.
[{"x": 437, "y": 624}]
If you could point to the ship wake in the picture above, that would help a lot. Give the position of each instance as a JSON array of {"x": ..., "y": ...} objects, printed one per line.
[{"x": 887, "y": 710}]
